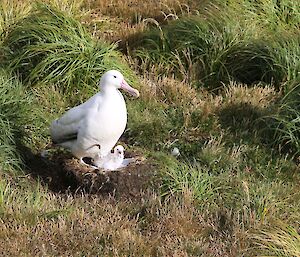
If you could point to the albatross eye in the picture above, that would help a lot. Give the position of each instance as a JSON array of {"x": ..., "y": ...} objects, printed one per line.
[{"x": 115, "y": 76}]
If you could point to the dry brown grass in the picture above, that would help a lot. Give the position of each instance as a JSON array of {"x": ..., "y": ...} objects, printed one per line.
[
  {"x": 121, "y": 21},
  {"x": 257, "y": 96},
  {"x": 88, "y": 225},
  {"x": 114, "y": 21},
  {"x": 135, "y": 9},
  {"x": 278, "y": 239},
  {"x": 193, "y": 106},
  {"x": 179, "y": 94},
  {"x": 201, "y": 113}
]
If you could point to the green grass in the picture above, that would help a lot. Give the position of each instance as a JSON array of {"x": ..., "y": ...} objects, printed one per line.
[
  {"x": 31, "y": 203},
  {"x": 252, "y": 200},
  {"x": 279, "y": 240},
  {"x": 234, "y": 188},
  {"x": 227, "y": 41},
  {"x": 184, "y": 179},
  {"x": 283, "y": 123},
  {"x": 14, "y": 114},
  {"x": 10, "y": 12},
  {"x": 52, "y": 47},
  {"x": 252, "y": 43}
]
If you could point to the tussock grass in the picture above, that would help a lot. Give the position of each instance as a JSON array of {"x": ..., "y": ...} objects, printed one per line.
[
  {"x": 70, "y": 7},
  {"x": 285, "y": 53},
  {"x": 50, "y": 46},
  {"x": 222, "y": 194},
  {"x": 121, "y": 21},
  {"x": 225, "y": 43},
  {"x": 279, "y": 240},
  {"x": 10, "y": 12},
  {"x": 49, "y": 102},
  {"x": 136, "y": 10},
  {"x": 282, "y": 125},
  {"x": 206, "y": 50},
  {"x": 14, "y": 114},
  {"x": 273, "y": 15}
]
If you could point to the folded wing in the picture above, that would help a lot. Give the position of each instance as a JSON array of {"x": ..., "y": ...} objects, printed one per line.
[{"x": 66, "y": 128}]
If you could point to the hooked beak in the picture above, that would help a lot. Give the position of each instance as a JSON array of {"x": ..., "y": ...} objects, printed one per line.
[{"x": 129, "y": 89}]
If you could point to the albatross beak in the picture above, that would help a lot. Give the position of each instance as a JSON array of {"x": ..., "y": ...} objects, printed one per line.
[{"x": 129, "y": 89}]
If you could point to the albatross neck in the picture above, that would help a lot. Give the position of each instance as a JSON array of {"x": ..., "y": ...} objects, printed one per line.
[{"x": 109, "y": 90}]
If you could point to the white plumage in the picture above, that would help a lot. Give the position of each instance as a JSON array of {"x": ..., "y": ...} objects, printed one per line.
[
  {"x": 112, "y": 161},
  {"x": 175, "y": 152},
  {"x": 94, "y": 127}
]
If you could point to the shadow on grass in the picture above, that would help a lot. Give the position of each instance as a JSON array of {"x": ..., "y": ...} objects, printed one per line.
[
  {"x": 62, "y": 173},
  {"x": 242, "y": 120},
  {"x": 56, "y": 177}
]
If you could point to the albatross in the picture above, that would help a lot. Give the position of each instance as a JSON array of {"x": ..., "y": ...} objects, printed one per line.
[
  {"x": 92, "y": 128},
  {"x": 112, "y": 161}
]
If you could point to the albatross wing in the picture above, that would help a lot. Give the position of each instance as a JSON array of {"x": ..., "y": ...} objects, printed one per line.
[{"x": 67, "y": 127}]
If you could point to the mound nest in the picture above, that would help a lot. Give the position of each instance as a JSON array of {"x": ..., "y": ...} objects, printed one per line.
[{"x": 61, "y": 172}]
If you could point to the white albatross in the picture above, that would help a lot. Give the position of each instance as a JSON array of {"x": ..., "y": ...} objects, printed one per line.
[
  {"x": 93, "y": 128},
  {"x": 112, "y": 161}
]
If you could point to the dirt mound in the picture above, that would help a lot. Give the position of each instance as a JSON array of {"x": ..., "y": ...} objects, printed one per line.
[
  {"x": 61, "y": 172},
  {"x": 130, "y": 180}
]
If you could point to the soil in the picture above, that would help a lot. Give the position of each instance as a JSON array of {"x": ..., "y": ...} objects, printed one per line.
[{"x": 63, "y": 173}]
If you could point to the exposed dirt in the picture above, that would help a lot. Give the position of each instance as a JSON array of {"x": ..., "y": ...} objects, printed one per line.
[{"x": 63, "y": 173}]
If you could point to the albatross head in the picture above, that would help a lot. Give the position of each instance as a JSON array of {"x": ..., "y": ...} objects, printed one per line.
[
  {"x": 115, "y": 79},
  {"x": 119, "y": 152}
]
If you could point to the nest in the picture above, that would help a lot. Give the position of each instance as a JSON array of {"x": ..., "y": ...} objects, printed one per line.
[{"x": 62, "y": 172}]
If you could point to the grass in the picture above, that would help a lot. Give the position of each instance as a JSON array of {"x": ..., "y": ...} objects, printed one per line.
[
  {"x": 119, "y": 21},
  {"x": 11, "y": 12},
  {"x": 136, "y": 10},
  {"x": 111, "y": 231},
  {"x": 14, "y": 108},
  {"x": 225, "y": 43},
  {"x": 185, "y": 179},
  {"x": 51, "y": 47},
  {"x": 279, "y": 240},
  {"x": 202, "y": 49},
  {"x": 283, "y": 122},
  {"x": 173, "y": 114},
  {"x": 218, "y": 80}
]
